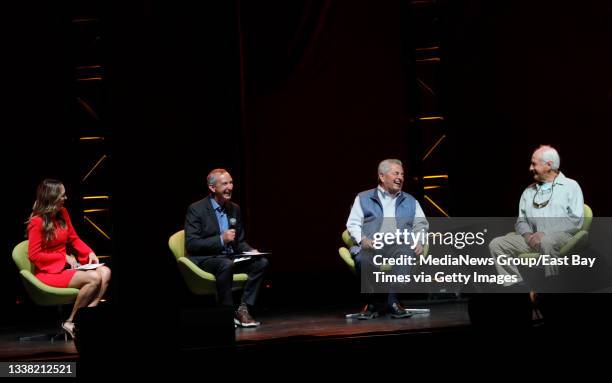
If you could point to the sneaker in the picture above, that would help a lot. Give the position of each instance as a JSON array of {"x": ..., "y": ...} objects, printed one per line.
[
  {"x": 368, "y": 312},
  {"x": 398, "y": 311},
  {"x": 244, "y": 319}
]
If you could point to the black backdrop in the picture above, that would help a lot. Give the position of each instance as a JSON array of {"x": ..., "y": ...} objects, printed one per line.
[
  {"x": 520, "y": 74},
  {"x": 300, "y": 102}
]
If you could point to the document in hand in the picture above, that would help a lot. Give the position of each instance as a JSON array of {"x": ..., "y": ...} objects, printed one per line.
[
  {"x": 253, "y": 253},
  {"x": 90, "y": 266}
]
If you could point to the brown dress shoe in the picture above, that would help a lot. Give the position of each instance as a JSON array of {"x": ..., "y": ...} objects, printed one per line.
[{"x": 244, "y": 319}]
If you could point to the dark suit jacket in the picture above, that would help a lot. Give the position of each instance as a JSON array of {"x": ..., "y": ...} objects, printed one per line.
[{"x": 202, "y": 233}]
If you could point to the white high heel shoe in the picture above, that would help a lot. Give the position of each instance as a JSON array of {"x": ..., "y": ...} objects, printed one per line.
[{"x": 68, "y": 328}]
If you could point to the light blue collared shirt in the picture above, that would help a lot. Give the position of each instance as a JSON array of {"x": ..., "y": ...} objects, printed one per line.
[
  {"x": 563, "y": 213},
  {"x": 223, "y": 224}
]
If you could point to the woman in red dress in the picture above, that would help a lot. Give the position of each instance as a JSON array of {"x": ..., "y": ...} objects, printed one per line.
[{"x": 51, "y": 235}]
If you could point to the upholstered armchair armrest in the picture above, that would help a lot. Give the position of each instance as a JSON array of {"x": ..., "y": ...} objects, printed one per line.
[{"x": 578, "y": 242}]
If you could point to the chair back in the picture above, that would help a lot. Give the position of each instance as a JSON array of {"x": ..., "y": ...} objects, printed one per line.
[
  {"x": 20, "y": 257},
  {"x": 588, "y": 218},
  {"x": 197, "y": 280},
  {"x": 177, "y": 244},
  {"x": 348, "y": 241}
]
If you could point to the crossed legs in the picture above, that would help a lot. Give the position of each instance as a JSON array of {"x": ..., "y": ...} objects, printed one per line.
[{"x": 92, "y": 285}]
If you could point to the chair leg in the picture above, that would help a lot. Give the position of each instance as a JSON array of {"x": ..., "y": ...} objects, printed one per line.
[
  {"x": 533, "y": 297},
  {"x": 59, "y": 335},
  {"x": 48, "y": 337},
  {"x": 44, "y": 337},
  {"x": 37, "y": 337},
  {"x": 60, "y": 310}
]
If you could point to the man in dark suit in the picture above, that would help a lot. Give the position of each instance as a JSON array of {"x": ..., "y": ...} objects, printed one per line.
[{"x": 214, "y": 236}]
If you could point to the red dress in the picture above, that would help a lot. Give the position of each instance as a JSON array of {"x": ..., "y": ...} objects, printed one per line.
[{"x": 49, "y": 257}]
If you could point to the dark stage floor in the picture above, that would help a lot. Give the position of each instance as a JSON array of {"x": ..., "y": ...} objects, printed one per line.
[
  {"x": 331, "y": 322},
  {"x": 278, "y": 326}
]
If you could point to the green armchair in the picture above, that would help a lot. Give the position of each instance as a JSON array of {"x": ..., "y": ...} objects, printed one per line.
[
  {"x": 197, "y": 280},
  {"x": 345, "y": 254},
  {"x": 578, "y": 241},
  {"x": 40, "y": 293}
]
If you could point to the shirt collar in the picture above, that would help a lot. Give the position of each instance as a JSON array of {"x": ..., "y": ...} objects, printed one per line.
[
  {"x": 559, "y": 180},
  {"x": 386, "y": 194},
  {"x": 215, "y": 205}
]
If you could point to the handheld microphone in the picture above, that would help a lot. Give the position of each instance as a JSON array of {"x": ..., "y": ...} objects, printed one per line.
[{"x": 232, "y": 226}]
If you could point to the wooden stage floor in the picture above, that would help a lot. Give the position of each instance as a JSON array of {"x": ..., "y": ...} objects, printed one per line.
[{"x": 278, "y": 326}]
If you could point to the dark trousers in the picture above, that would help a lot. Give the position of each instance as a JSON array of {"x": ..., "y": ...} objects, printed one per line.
[
  {"x": 364, "y": 266},
  {"x": 224, "y": 268}
]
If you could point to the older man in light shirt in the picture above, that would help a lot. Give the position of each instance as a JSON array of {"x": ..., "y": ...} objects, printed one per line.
[{"x": 551, "y": 210}]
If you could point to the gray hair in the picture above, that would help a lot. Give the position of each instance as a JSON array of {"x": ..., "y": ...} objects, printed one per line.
[
  {"x": 211, "y": 179},
  {"x": 385, "y": 165},
  {"x": 548, "y": 153}
]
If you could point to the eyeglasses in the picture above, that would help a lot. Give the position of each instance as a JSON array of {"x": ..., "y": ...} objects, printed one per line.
[{"x": 539, "y": 205}]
